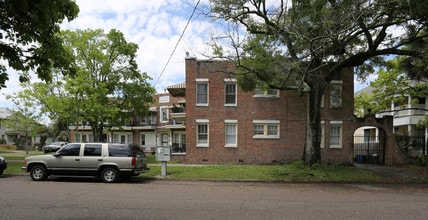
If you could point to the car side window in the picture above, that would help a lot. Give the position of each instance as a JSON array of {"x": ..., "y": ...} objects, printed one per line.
[
  {"x": 119, "y": 150},
  {"x": 70, "y": 150},
  {"x": 92, "y": 150}
]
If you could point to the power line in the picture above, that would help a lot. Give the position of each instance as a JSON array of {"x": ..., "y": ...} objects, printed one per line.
[{"x": 179, "y": 39}]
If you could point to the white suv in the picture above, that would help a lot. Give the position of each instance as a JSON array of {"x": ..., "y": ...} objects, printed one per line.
[{"x": 108, "y": 161}]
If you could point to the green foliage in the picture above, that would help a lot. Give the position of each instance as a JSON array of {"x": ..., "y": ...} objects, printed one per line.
[
  {"x": 393, "y": 85},
  {"x": 107, "y": 86},
  {"x": 28, "y": 39}
]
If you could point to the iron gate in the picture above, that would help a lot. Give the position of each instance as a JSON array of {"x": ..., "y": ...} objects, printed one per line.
[{"x": 368, "y": 150}]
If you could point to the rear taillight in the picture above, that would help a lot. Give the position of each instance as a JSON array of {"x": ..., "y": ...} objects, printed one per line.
[{"x": 134, "y": 161}]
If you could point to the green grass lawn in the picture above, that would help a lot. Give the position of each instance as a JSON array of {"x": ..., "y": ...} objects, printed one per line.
[{"x": 296, "y": 172}]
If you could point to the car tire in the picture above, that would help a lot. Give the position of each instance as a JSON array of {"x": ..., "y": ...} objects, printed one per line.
[
  {"x": 38, "y": 173},
  {"x": 110, "y": 175}
]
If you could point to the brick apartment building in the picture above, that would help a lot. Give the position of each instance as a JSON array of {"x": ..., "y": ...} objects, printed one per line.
[{"x": 225, "y": 125}]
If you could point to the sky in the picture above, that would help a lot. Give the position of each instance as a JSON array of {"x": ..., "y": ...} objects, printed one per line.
[{"x": 156, "y": 26}]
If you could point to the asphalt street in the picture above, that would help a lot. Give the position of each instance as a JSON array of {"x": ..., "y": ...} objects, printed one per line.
[{"x": 22, "y": 198}]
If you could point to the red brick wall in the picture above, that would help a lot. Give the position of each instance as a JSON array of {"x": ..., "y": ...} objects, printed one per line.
[{"x": 289, "y": 109}]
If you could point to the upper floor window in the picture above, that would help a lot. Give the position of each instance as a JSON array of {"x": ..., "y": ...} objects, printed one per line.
[
  {"x": 336, "y": 94},
  {"x": 265, "y": 128},
  {"x": 230, "y": 93},
  {"x": 202, "y": 92},
  {"x": 268, "y": 93},
  {"x": 164, "y": 114}
]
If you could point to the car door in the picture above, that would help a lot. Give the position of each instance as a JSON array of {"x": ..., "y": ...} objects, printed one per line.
[
  {"x": 66, "y": 161},
  {"x": 92, "y": 157}
]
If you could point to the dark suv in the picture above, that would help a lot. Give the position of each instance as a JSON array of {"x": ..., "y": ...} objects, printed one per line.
[
  {"x": 3, "y": 165},
  {"x": 108, "y": 161}
]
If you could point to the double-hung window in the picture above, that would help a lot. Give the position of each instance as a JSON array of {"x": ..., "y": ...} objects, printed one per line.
[
  {"x": 336, "y": 134},
  {"x": 265, "y": 128},
  {"x": 202, "y": 133},
  {"x": 336, "y": 94},
  {"x": 230, "y": 92},
  {"x": 202, "y": 92},
  {"x": 231, "y": 133}
]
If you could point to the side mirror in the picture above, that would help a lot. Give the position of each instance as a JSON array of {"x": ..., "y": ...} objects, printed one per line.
[{"x": 56, "y": 154}]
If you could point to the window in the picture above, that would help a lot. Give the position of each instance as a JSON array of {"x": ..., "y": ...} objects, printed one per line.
[
  {"x": 179, "y": 143},
  {"x": 70, "y": 150},
  {"x": 143, "y": 139},
  {"x": 336, "y": 94},
  {"x": 231, "y": 133},
  {"x": 202, "y": 92},
  {"x": 267, "y": 93},
  {"x": 202, "y": 133},
  {"x": 335, "y": 134},
  {"x": 119, "y": 150},
  {"x": 164, "y": 114},
  {"x": 265, "y": 128},
  {"x": 230, "y": 92},
  {"x": 92, "y": 150},
  {"x": 322, "y": 134}
]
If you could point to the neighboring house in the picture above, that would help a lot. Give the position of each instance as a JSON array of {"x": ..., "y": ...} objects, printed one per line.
[
  {"x": 9, "y": 134},
  {"x": 4, "y": 113},
  {"x": 161, "y": 126},
  {"x": 406, "y": 116}
]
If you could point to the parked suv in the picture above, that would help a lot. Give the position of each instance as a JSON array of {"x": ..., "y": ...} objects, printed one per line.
[
  {"x": 54, "y": 146},
  {"x": 3, "y": 165},
  {"x": 108, "y": 161}
]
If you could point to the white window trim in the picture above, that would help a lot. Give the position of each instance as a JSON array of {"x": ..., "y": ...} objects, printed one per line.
[
  {"x": 265, "y": 95},
  {"x": 230, "y": 81},
  {"x": 198, "y": 122},
  {"x": 266, "y": 123},
  {"x": 234, "y": 122},
  {"x": 335, "y": 123},
  {"x": 204, "y": 81}
]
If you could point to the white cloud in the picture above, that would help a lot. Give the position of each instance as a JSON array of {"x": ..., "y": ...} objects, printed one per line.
[{"x": 155, "y": 25}]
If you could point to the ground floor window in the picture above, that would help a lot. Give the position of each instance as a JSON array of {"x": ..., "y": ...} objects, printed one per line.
[
  {"x": 202, "y": 133},
  {"x": 265, "y": 128},
  {"x": 335, "y": 134},
  {"x": 231, "y": 133},
  {"x": 179, "y": 143}
]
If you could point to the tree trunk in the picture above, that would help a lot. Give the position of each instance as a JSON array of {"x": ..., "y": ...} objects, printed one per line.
[
  {"x": 97, "y": 130},
  {"x": 312, "y": 150}
]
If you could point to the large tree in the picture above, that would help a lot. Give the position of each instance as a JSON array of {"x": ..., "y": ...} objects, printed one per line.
[
  {"x": 27, "y": 36},
  {"x": 304, "y": 44},
  {"x": 107, "y": 89}
]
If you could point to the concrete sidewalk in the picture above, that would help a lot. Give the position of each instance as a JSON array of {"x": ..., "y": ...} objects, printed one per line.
[{"x": 403, "y": 172}]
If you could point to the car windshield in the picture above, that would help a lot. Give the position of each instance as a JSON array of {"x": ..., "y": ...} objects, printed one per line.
[{"x": 55, "y": 143}]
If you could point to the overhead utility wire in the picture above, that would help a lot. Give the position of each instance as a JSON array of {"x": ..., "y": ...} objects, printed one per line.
[{"x": 176, "y": 45}]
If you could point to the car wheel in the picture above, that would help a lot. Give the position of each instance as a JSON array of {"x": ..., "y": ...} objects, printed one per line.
[
  {"x": 1, "y": 171},
  {"x": 38, "y": 173},
  {"x": 110, "y": 175}
]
